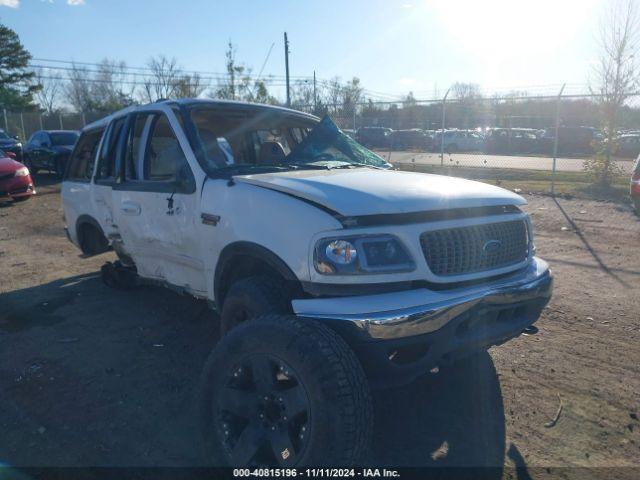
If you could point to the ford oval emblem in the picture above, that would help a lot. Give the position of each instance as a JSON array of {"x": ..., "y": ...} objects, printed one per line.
[{"x": 491, "y": 246}]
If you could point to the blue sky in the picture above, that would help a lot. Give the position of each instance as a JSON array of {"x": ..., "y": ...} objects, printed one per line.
[{"x": 392, "y": 46}]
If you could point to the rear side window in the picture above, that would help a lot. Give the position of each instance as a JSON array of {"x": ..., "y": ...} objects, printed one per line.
[
  {"x": 84, "y": 156},
  {"x": 107, "y": 168}
]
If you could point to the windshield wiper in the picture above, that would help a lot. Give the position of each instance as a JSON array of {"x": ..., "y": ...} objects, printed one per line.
[{"x": 354, "y": 165}]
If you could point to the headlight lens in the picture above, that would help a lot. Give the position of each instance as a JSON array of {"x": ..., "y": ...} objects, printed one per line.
[
  {"x": 360, "y": 255},
  {"x": 22, "y": 172},
  {"x": 341, "y": 252}
]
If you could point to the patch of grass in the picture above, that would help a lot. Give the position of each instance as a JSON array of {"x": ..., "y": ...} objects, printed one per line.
[{"x": 577, "y": 184}]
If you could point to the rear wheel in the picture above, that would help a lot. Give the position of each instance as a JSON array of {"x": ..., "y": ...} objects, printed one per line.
[
  {"x": 284, "y": 391},
  {"x": 92, "y": 241}
]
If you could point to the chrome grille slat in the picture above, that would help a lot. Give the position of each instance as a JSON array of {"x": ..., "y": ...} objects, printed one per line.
[{"x": 460, "y": 250}]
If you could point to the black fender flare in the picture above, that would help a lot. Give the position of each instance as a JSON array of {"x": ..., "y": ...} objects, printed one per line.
[{"x": 253, "y": 250}]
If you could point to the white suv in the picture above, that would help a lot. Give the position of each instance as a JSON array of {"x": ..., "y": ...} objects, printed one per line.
[{"x": 332, "y": 273}]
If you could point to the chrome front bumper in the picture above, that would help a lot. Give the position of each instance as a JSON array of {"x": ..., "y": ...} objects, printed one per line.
[{"x": 417, "y": 312}]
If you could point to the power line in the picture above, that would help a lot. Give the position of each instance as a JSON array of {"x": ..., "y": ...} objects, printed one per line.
[{"x": 143, "y": 69}]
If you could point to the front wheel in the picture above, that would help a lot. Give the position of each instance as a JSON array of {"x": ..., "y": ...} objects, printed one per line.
[{"x": 281, "y": 391}]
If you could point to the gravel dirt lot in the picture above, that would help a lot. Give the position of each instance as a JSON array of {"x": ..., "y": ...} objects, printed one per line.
[{"x": 91, "y": 376}]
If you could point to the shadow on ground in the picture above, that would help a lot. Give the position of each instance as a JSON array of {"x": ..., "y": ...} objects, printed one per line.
[{"x": 100, "y": 377}]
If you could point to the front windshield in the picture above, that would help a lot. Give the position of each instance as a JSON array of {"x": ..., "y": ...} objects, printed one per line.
[
  {"x": 262, "y": 140},
  {"x": 63, "y": 138},
  {"x": 327, "y": 145}
]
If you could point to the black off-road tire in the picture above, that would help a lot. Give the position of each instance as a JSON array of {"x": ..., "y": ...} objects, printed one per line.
[
  {"x": 338, "y": 421},
  {"x": 250, "y": 297}
]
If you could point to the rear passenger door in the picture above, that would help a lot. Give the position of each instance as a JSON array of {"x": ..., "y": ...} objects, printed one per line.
[
  {"x": 106, "y": 176},
  {"x": 156, "y": 206},
  {"x": 76, "y": 186}
]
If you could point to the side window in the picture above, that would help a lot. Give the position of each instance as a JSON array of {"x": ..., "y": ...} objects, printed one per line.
[
  {"x": 107, "y": 168},
  {"x": 163, "y": 158},
  {"x": 84, "y": 156},
  {"x": 137, "y": 131}
]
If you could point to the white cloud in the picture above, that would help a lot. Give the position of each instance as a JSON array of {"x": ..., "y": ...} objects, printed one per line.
[
  {"x": 74, "y": 3},
  {"x": 10, "y": 3}
]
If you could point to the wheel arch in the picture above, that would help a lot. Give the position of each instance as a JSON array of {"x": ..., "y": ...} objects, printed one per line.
[
  {"x": 242, "y": 259},
  {"x": 82, "y": 222}
]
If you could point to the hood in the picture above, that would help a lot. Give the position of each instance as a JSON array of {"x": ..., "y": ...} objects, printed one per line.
[
  {"x": 8, "y": 165},
  {"x": 8, "y": 141},
  {"x": 366, "y": 191}
]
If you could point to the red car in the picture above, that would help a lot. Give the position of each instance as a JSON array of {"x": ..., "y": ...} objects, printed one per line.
[
  {"x": 635, "y": 186},
  {"x": 15, "y": 180}
]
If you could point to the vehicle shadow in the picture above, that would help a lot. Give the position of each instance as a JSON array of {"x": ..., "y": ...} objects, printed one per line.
[
  {"x": 102, "y": 377},
  {"x": 603, "y": 266},
  {"x": 453, "y": 418}
]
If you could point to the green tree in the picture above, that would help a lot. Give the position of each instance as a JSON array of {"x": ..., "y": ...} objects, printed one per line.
[{"x": 16, "y": 80}]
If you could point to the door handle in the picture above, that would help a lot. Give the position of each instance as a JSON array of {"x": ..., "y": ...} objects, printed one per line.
[{"x": 131, "y": 208}]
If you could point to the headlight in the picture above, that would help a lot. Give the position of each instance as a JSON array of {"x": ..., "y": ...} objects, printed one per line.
[
  {"x": 22, "y": 172},
  {"x": 19, "y": 145},
  {"x": 359, "y": 255}
]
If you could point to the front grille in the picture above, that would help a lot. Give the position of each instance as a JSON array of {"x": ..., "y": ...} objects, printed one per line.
[
  {"x": 464, "y": 250},
  {"x": 7, "y": 176}
]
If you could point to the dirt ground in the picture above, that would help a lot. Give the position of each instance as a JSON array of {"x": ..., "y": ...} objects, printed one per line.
[{"x": 91, "y": 376}]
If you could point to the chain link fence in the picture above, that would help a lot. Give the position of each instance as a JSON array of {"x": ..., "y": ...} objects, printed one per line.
[
  {"x": 513, "y": 138},
  {"x": 542, "y": 140}
]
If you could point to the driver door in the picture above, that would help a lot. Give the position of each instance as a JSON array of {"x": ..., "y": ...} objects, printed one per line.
[{"x": 156, "y": 205}]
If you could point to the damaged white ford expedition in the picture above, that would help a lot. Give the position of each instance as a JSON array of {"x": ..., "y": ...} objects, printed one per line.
[{"x": 332, "y": 273}]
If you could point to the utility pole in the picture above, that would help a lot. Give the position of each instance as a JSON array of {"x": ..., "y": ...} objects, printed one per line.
[
  {"x": 444, "y": 103},
  {"x": 286, "y": 64},
  {"x": 555, "y": 141},
  {"x": 315, "y": 95}
]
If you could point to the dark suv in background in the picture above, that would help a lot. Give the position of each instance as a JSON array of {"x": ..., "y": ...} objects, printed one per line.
[
  {"x": 49, "y": 150},
  {"x": 373, "y": 136}
]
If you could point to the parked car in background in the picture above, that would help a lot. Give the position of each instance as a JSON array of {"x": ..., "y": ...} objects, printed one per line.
[
  {"x": 509, "y": 141},
  {"x": 571, "y": 140},
  {"x": 412, "y": 138},
  {"x": 49, "y": 150},
  {"x": 458, "y": 141},
  {"x": 15, "y": 180},
  {"x": 350, "y": 133},
  {"x": 628, "y": 146},
  {"x": 373, "y": 136},
  {"x": 10, "y": 145},
  {"x": 635, "y": 186}
]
